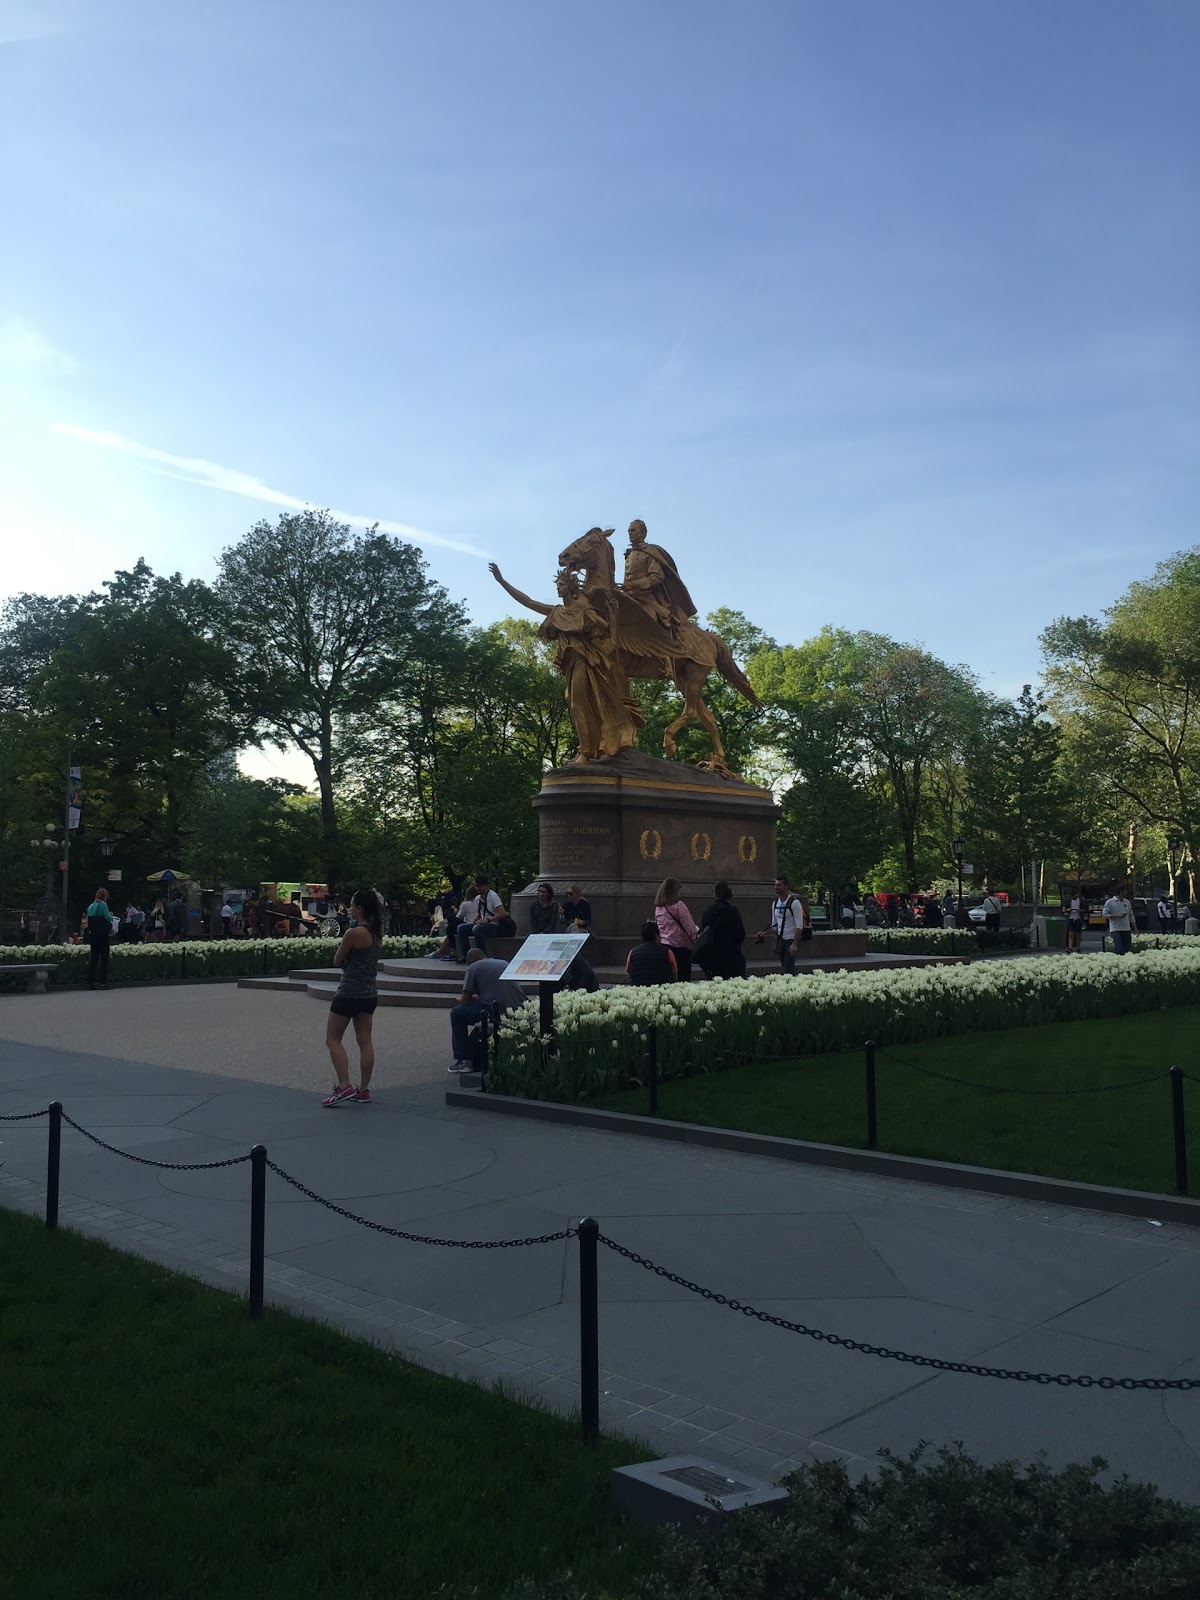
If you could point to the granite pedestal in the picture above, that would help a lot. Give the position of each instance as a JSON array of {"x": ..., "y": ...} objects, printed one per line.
[{"x": 619, "y": 827}]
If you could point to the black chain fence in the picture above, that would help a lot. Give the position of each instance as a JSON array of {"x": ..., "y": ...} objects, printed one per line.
[
  {"x": 145, "y": 1161},
  {"x": 1004, "y": 1088},
  {"x": 418, "y": 1238},
  {"x": 974, "y": 1369},
  {"x": 589, "y": 1236},
  {"x": 25, "y": 1116}
]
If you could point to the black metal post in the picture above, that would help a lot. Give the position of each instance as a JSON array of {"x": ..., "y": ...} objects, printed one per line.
[
  {"x": 872, "y": 1128},
  {"x": 958, "y": 908},
  {"x": 495, "y": 1014},
  {"x": 53, "y": 1155},
  {"x": 1180, "y": 1129},
  {"x": 546, "y": 1012},
  {"x": 483, "y": 1042},
  {"x": 258, "y": 1226},
  {"x": 652, "y": 1065},
  {"x": 589, "y": 1332},
  {"x": 182, "y": 962}
]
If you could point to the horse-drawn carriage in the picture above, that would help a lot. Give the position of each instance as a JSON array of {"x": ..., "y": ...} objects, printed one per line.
[{"x": 297, "y": 910}]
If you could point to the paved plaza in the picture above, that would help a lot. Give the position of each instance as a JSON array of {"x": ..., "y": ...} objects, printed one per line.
[{"x": 201, "y": 1073}]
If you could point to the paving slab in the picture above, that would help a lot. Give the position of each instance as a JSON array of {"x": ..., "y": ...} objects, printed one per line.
[{"x": 947, "y": 1273}]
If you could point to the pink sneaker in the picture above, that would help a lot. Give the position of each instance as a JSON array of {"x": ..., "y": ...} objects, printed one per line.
[
  {"x": 340, "y": 1096},
  {"x": 363, "y": 1096}
]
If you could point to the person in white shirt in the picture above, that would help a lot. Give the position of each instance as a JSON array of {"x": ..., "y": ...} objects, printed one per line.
[
  {"x": 789, "y": 917},
  {"x": 1120, "y": 922},
  {"x": 226, "y": 918},
  {"x": 991, "y": 913},
  {"x": 483, "y": 918},
  {"x": 1077, "y": 913},
  {"x": 1166, "y": 915}
]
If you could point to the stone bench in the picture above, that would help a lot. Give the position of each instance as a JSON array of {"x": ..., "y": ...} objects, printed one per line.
[{"x": 37, "y": 973}]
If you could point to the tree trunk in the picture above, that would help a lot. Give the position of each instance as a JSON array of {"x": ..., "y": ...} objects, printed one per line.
[{"x": 323, "y": 766}]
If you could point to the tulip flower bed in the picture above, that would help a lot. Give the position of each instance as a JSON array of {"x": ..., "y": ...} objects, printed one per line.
[
  {"x": 192, "y": 959},
  {"x": 601, "y": 1038},
  {"x": 1165, "y": 941},
  {"x": 922, "y": 941}
]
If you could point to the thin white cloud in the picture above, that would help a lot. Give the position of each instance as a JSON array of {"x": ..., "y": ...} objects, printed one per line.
[
  {"x": 194, "y": 469},
  {"x": 25, "y": 351}
]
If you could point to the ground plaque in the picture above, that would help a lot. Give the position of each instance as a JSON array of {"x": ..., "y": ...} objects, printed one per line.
[{"x": 696, "y": 1494}]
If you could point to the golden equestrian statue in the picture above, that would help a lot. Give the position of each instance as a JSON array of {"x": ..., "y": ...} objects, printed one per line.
[{"x": 606, "y": 633}]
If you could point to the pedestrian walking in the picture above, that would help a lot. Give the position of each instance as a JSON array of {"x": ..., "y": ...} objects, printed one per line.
[
  {"x": 789, "y": 917},
  {"x": 991, "y": 912},
  {"x": 356, "y": 998},
  {"x": 718, "y": 950},
  {"x": 1077, "y": 915},
  {"x": 1120, "y": 922},
  {"x": 676, "y": 926},
  {"x": 100, "y": 924},
  {"x": 226, "y": 917}
]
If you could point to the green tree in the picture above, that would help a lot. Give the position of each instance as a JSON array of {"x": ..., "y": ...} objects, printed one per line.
[
  {"x": 137, "y": 681},
  {"x": 328, "y": 625},
  {"x": 1128, "y": 690},
  {"x": 860, "y": 712},
  {"x": 455, "y": 755},
  {"x": 1018, "y": 801},
  {"x": 833, "y": 824}
]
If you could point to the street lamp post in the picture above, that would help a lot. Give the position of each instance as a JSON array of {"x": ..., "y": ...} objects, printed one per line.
[
  {"x": 50, "y": 846},
  {"x": 107, "y": 846},
  {"x": 957, "y": 847}
]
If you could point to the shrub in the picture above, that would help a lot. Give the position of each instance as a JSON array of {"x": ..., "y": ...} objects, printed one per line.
[
  {"x": 948, "y": 1529},
  {"x": 601, "y": 1038},
  {"x": 191, "y": 959}
]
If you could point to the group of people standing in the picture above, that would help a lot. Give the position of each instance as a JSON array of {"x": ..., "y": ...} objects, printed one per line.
[{"x": 673, "y": 942}]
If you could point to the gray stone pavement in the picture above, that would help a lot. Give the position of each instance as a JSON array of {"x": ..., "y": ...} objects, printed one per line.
[{"x": 944, "y": 1273}]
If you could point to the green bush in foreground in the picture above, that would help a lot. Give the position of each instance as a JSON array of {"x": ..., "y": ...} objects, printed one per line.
[
  {"x": 949, "y": 1529},
  {"x": 192, "y": 959}
]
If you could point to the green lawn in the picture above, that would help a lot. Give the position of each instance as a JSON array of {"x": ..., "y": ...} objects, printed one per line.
[
  {"x": 160, "y": 1444},
  {"x": 1123, "y": 1138}
]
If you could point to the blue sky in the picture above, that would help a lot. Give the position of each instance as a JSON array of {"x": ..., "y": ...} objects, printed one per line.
[{"x": 883, "y": 315}]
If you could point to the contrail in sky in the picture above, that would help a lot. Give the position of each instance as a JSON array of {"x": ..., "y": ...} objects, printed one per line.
[{"x": 194, "y": 469}]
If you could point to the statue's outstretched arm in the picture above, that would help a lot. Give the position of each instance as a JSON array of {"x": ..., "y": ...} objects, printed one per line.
[{"x": 521, "y": 599}]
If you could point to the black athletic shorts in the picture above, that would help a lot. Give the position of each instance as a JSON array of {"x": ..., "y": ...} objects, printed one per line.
[{"x": 352, "y": 1008}]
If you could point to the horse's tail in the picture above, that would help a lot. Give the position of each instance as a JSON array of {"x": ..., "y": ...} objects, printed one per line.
[{"x": 732, "y": 673}]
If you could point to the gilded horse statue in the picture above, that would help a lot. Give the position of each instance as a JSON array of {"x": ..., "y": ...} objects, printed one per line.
[{"x": 603, "y": 637}]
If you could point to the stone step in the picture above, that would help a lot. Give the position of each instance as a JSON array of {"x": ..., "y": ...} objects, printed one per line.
[{"x": 426, "y": 999}]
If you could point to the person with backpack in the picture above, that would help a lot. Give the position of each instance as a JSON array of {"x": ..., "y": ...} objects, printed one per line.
[
  {"x": 789, "y": 922},
  {"x": 482, "y": 917},
  {"x": 100, "y": 924}
]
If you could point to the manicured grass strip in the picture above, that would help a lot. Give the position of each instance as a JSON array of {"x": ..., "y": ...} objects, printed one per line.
[
  {"x": 1123, "y": 1138},
  {"x": 159, "y": 1444}
]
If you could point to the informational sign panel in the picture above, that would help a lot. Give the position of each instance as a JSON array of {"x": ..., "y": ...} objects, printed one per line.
[
  {"x": 114, "y": 874},
  {"x": 545, "y": 957}
]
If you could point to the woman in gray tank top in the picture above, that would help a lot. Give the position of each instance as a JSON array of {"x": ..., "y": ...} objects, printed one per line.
[{"x": 356, "y": 999}]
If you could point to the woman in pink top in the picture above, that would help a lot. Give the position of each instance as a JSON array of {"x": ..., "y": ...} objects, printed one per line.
[{"x": 676, "y": 928}]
